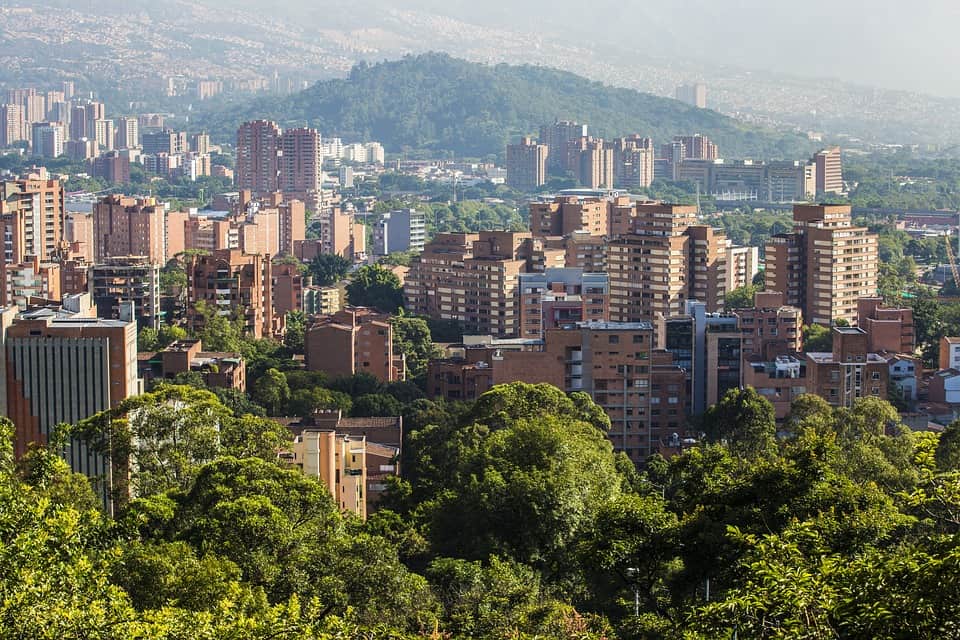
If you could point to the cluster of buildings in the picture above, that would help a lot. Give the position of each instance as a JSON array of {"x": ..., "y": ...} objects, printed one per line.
[
  {"x": 56, "y": 123},
  {"x": 624, "y": 300},
  {"x": 77, "y": 288},
  {"x": 271, "y": 160},
  {"x": 633, "y": 162}
]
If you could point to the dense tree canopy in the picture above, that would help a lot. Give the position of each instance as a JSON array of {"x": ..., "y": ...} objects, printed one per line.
[{"x": 436, "y": 102}]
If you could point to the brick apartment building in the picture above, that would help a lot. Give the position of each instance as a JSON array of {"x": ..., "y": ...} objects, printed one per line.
[
  {"x": 219, "y": 369},
  {"x": 232, "y": 282},
  {"x": 32, "y": 217},
  {"x": 125, "y": 226},
  {"x": 825, "y": 265},
  {"x": 354, "y": 340},
  {"x": 642, "y": 390}
]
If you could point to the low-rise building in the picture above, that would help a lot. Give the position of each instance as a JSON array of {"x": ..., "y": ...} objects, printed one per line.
[
  {"x": 780, "y": 380},
  {"x": 353, "y": 457},
  {"x": 321, "y": 301},
  {"x": 771, "y": 328},
  {"x": 850, "y": 371},
  {"x": 888, "y": 329},
  {"x": 30, "y": 279},
  {"x": 945, "y": 386},
  {"x": 950, "y": 353},
  {"x": 354, "y": 340},
  {"x": 903, "y": 376},
  {"x": 225, "y": 370}
]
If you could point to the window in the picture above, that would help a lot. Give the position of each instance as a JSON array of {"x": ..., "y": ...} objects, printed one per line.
[
  {"x": 637, "y": 339},
  {"x": 875, "y": 375},
  {"x": 613, "y": 339}
]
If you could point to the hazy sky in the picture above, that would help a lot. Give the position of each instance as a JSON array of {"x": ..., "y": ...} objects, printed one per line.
[{"x": 904, "y": 45}]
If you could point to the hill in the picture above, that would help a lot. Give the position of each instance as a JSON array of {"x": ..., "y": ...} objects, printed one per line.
[{"x": 442, "y": 104}]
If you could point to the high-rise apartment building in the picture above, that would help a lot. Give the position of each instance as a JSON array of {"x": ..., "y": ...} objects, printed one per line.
[
  {"x": 354, "y": 340},
  {"x": 32, "y": 216},
  {"x": 556, "y": 136},
  {"x": 200, "y": 143},
  {"x": 770, "y": 328},
  {"x": 82, "y": 119},
  {"x": 112, "y": 166},
  {"x": 125, "y": 226},
  {"x": 104, "y": 133},
  {"x": 695, "y": 147},
  {"x": 633, "y": 162},
  {"x": 829, "y": 171},
  {"x": 300, "y": 164},
  {"x": 557, "y": 297},
  {"x": 708, "y": 348},
  {"x": 292, "y": 227},
  {"x": 128, "y": 279},
  {"x": 743, "y": 263},
  {"x": 258, "y": 161},
  {"x": 472, "y": 278},
  {"x": 228, "y": 280},
  {"x": 565, "y": 215},
  {"x": 288, "y": 282},
  {"x": 526, "y": 165},
  {"x": 63, "y": 370},
  {"x": 127, "y": 133},
  {"x": 640, "y": 388},
  {"x": 48, "y": 139},
  {"x": 165, "y": 141},
  {"x": 694, "y": 95},
  {"x": 665, "y": 260},
  {"x": 78, "y": 235},
  {"x": 12, "y": 124},
  {"x": 399, "y": 230},
  {"x": 825, "y": 265},
  {"x": 591, "y": 162}
]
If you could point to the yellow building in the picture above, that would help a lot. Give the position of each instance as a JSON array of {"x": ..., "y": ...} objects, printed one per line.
[{"x": 339, "y": 461}]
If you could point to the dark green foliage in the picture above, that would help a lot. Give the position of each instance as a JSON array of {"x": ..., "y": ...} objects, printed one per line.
[
  {"x": 328, "y": 269},
  {"x": 436, "y": 102},
  {"x": 375, "y": 287},
  {"x": 412, "y": 336},
  {"x": 744, "y": 419},
  {"x": 741, "y": 298},
  {"x": 817, "y": 339}
]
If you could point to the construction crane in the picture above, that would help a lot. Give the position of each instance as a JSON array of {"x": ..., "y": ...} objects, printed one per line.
[{"x": 953, "y": 262}]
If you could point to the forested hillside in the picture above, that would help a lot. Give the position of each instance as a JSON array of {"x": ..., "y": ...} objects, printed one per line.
[{"x": 442, "y": 104}]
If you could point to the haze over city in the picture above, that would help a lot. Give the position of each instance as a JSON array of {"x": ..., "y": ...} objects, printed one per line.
[{"x": 459, "y": 320}]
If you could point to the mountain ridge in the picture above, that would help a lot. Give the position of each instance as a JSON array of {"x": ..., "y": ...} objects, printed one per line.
[{"x": 443, "y": 104}]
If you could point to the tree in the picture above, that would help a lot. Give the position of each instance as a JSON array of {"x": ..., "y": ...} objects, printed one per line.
[
  {"x": 741, "y": 298},
  {"x": 271, "y": 391},
  {"x": 412, "y": 336},
  {"x": 817, "y": 339},
  {"x": 378, "y": 404},
  {"x": 948, "y": 450},
  {"x": 252, "y": 436},
  {"x": 493, "y": 481},
  {"x": 161, "y": 438},
  {"x": 296, "y": 328},
  {"x": 745, "y": 419},
  {"x": 328, "y": 269},
  {"x": 238, "y": 402},
  {"x": 629, "y": 545},
  {"x": 376, "y": 287}
]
